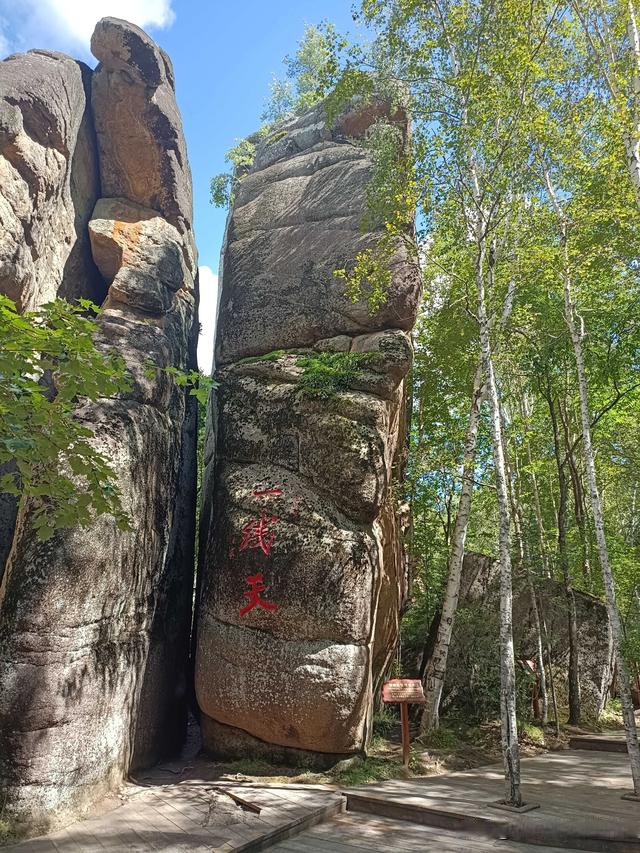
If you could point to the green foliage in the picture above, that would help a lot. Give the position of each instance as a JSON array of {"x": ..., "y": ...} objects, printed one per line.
[
  {"x": 50, "y": 366},
  {"x": 533, "y": 733},
  {"x": 440, "y": 738},
  {"x": 326, "y": 374},
  {"x": 199, "y": 384},
  {"x": 385, "y": 722},
  {"x": 274, "y": 355},
  {"x": 301, "y": 87},
  {"x": 369, "y": 277},
  {"x": 223, "y": 186}
]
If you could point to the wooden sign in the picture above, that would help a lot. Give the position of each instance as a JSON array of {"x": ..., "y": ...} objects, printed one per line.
[{"x": 403, "y": 690}]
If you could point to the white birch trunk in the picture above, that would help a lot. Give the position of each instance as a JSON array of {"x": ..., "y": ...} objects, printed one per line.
[
  {"x": 509, "y": 726},
  {"x": 437, "y": 666},
  {"x": 603, "y": 553}
]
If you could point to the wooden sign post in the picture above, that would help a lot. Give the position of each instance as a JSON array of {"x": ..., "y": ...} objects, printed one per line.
[{"x": 404, "y": 691}]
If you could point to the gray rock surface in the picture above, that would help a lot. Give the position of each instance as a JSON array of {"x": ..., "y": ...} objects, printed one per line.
[
  {"x": 94, "y": 623},
  {"x": 48, "y": 179},
  {"x": 298, "y": 489},
  {"x": 297, "y": 217}
]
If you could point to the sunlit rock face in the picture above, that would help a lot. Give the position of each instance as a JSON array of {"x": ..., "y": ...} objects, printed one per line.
[
  {"x": 94, "y": 623},
  {"x": 48, "y": 179},
  {"x": 302, "y": 564}
]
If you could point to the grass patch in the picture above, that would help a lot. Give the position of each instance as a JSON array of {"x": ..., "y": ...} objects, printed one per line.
[
  {"x": 269, "y": 356},
  {"x": 533, "y": 733},
  {"x": 251, "y": 767},
  {"x": 275, "y": 137},
  {"x": 370, "y": 769},
  {"x": 325, "y": 374}
]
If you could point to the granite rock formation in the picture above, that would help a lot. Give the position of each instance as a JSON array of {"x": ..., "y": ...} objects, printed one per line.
[
  {"x": 299, "y": 509},
  {"x": 94, "y": 623}
]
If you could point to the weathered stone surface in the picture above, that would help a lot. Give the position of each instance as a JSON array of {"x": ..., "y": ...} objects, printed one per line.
[
  {"x": 139, "y": 254},
  {"x": 143, "y": 155},
  {"x": 298, "y": 488},
  {"x": 48, "y": 179},
  {"x": 94, "y": 623},
  {"x": 297, "y": 217}
]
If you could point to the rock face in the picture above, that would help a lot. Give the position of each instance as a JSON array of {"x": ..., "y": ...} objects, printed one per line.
[
  {"x": 94, "y": 623},
  {"x": 48, "y": 179},
  {"x": 302, "y": 566}
]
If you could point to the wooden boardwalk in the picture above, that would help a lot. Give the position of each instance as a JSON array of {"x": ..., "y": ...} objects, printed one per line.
[
  {"x": 194, "y": 815},
  {"x": 579, "y": 793}
]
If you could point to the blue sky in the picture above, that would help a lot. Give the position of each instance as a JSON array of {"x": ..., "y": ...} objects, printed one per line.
[{"x": 224, "y": 54}]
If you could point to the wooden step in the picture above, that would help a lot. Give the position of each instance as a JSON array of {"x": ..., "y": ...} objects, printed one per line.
[{"x": 597, "y": 743}]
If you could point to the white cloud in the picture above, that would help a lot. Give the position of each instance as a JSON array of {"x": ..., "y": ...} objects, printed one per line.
[
  {"x": 208, "y": 315},
  {"x": 68, "y": 24}
]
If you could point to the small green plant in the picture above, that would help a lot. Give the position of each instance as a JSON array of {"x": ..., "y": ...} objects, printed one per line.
[
  {"x": 275, "y": 137},
  {"x": 440, "y": 738},
  {"x": 384, "y": 722},
  {"x": 326, "y": 374},
  {"x": 224, "y": 185},
  {"x": 269, "y": 356}
]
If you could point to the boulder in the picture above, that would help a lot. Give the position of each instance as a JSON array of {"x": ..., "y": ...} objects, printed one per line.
[
  {"x": 49, "y": 180},
  {"x": 302, "y": 562},
  {"x": 143, "y": 156},
  {"x": 95, "y": 622},
  {"x": 475, "y": 638}
]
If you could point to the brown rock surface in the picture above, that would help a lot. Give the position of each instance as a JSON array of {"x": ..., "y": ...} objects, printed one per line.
[
  {"x": 297, "y": 217},
  {"x": 299, "y": 488},
  {"x": 143, "y": 156}
]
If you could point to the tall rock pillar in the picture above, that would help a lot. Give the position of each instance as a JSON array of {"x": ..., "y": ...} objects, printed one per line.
[
  {"x": 302, "y": 562},
  {"x": 94, "y": 622}
]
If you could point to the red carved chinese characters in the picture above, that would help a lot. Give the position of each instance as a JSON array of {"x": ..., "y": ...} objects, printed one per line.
[
  {"x": 258, "y": 533},
  {"x": 257, "y": 586}
]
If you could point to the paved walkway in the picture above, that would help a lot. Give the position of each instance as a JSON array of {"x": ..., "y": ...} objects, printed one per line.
[
  {"x": 579, "y": 793},
  {"x": 357, "y": 833}
]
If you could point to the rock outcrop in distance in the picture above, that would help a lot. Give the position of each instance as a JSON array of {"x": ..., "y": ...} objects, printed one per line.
[
  {"x": 95, "y": 195},
  {"x": 302, "y": 564},
  {"x": 474, "y": 638}
]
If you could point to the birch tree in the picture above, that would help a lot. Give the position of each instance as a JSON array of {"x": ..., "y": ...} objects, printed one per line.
[
  {"x": 471, "y": 71},
  {"x": 613, "y": 38},
  {"x": 576, "y": 327}
]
